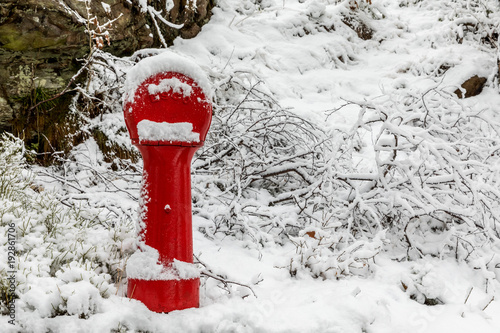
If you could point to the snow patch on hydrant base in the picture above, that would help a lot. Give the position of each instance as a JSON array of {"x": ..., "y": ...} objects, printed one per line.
[
  {"x": 145, "y": 265},
  {"x": 154, "y": 131}
]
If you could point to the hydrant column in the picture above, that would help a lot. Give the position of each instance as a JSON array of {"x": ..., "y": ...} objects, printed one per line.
[
  {"x": 168, "y": 112},
  {"x": 168, "y": 185}
]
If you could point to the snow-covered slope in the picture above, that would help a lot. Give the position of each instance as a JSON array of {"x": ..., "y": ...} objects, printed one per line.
[{"x": 354, "y": 72}]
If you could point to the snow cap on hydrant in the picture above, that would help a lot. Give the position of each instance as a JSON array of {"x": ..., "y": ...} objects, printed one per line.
[
  {"x": 167, "y": 102},
  {"x": 168, "y": 112}
]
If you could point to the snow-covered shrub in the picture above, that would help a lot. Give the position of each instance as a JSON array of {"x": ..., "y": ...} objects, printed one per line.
[
  {"x": 433, "y": 178},
  {"x": 279, "y": 178},
  {"x": 12, "y": 176},
  {"x": 325, "y": 254},
  {"x": 261, "y": 157},
  {"x": 76, "y": 290},
  {"x": 424, "y": 285},
  {"x": 99, "y": 105},
  {"x": 14, "y": 181},
  {"x": 475, "y": 22},
  {"x": 66, "y": 256},
  {"x": 418, "y": 171},
  {"x": 423, "y": 167}
]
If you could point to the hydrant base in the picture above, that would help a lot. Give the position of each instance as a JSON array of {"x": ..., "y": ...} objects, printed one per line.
[{"x": 165, "y": 295}]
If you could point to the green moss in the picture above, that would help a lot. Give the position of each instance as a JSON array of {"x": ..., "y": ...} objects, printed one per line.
[{"x": 13, "y": 39}]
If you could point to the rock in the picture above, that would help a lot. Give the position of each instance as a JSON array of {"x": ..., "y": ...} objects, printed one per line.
[
  {"x": 42, "y": 40},
  {"x": 472, "y": 86},
  {"x": 354, "y": 22}
]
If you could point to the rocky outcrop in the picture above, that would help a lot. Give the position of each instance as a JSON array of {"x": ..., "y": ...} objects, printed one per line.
[
  {"x": 472, "y": 87},
  {"x": 192, "y": 14},
  {"x": 42, "y": 40}
]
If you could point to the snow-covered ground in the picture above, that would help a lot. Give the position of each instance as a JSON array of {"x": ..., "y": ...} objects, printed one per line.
[{"x": 311, "y": 62}]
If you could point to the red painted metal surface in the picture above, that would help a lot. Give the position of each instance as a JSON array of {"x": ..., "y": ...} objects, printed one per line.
[
  {"x": 170, "y": 107},
  {"x": 165, "y": 296},
  {"x": 167, "y": 215}
]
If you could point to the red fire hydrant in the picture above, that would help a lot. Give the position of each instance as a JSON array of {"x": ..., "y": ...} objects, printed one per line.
[{"x": 167, "y": 113}]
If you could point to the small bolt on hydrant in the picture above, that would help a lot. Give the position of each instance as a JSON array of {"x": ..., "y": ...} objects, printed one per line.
[{"x": 168, "y": 112}]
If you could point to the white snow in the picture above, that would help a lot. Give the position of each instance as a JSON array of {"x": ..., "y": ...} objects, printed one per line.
[
  {"x": 145, "y": 265},
  {"x": 169, "y": 4},
  {"x": 162, "y": 131},
  {"x": 106, "y": 7},
  {"x": 185, "y": 270},
  {"x": 174, "y": 84},
  {"x": 144, "y": 5},
  {"x": 192, "y": 4}
]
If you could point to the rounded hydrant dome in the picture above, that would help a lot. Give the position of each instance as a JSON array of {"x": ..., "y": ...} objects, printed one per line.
[{"x": 167, "y": 102}]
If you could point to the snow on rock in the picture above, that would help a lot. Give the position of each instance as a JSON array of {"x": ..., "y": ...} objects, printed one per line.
[
  {"x": 154, "y": 131},
  {"x": 145, "y": 265},
  {"x": 106, "y": 7},
  {"x": 144, "y": 5},
  {"x": 169, "y": 4},
  {"x": 165, "y": 62}
]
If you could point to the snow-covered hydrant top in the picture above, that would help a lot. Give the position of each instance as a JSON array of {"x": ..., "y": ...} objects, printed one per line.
[{"x": 167, "y": 102}]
